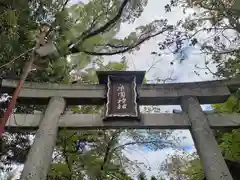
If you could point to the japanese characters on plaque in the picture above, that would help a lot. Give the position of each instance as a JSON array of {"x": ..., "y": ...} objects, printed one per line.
[{"x": 121, "y": 97}]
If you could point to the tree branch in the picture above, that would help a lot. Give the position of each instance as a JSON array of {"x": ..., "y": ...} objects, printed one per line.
[
  {"x": 86, "y": 35},
  {"x": 227, "y": 13},
  {"x": 141, "y": 142},
  {"x": 113, "y": 45},
  {"x": 54, "y": 23},
  {"x": 126, "y": 49},
  {"x": 14, "y": 59},
  {"x": 3, "y": 5},
  {"x": 64, "y": 5},
  {"x": 109, "y": 23},
  {"x": 107, "y": 152},
  {"x": 66, "y": 158},
  {"x": 115, "y": 177}
]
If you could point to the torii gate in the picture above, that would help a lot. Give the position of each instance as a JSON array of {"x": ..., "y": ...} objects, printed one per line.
[{"x": 122, "y": 92}]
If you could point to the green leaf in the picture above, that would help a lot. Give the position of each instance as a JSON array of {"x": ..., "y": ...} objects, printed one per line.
[
  {"x": 59, "y": 169},
  {"x": 74, "y": 138},
  {"x": 80, "y": 60}
]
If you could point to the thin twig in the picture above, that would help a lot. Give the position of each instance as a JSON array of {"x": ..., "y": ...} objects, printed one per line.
[
  {"x": 115, "y": 176},
  {"x": 108, "y": 152},
  {"x": 16, "y": 58},
  {"x": 153, "y": 64},
  {"x": 142, "y": 142}
]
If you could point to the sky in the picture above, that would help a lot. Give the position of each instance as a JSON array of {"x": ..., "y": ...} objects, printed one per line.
[{"x": 184, "y": 72}]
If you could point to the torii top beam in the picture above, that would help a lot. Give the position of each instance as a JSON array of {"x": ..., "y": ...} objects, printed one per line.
[{"x": 208, "y": 92}]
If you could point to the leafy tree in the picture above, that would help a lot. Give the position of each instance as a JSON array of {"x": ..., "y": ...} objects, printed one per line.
[
  {"x": 96, "y": 154},
  {"x": 230, "y": 145},
  {"x": 142, "y": 176},
  {"x": 153, "y": 178},
  {"x": 174, "y": 165},
  {"x": 183, "y": 166},
  {"x": 229, "y": 141},
  {"x": 100, "y": 155},
  {"x": 78, "y": 31},
  {"x": 82, "y": 33},
  {"x": 212, "y": 27}
]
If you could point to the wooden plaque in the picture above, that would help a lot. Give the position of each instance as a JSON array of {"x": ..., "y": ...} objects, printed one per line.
[{"x": 121, "y": 97}]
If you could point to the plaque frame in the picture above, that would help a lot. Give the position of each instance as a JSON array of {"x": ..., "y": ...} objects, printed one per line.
[{"x": 134, "y": 98}]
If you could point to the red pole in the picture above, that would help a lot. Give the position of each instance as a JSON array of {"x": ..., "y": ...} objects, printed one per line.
[
  {"x": 26, "y": 70},
  {"x": 10, "y": 107}
]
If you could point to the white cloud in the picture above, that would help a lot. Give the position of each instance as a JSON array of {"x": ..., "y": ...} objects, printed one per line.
[{"x": 150, "y": 158}]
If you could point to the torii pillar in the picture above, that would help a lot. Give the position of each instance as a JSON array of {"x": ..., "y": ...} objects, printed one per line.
[{"x": 39, "y": 158}]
